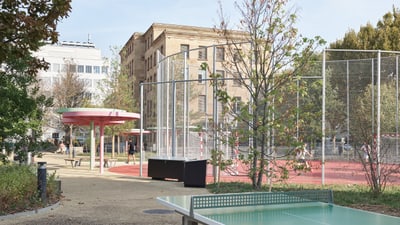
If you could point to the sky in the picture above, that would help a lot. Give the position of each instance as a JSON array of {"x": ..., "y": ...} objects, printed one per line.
[{"x": 110, "y": 24}]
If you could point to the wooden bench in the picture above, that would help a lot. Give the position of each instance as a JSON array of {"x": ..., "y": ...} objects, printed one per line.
[{"x": 74, "y": 161}]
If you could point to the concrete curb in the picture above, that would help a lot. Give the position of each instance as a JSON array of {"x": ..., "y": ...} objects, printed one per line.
[{"x": 30, "y": 213}]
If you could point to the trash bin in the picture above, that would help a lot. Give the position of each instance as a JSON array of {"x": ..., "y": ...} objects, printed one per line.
[
  {"x": 195, "y": 173},
  {"x": 160, "y": 168}
]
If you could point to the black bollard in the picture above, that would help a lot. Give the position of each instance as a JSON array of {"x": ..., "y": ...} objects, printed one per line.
[{"x": 42, "y": 181}]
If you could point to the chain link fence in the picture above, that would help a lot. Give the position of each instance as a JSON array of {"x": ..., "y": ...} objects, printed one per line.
[{"x": 359, "y": 104}]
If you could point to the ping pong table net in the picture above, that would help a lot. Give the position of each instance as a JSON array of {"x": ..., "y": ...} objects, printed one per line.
[{"x": 259, "y": 198}]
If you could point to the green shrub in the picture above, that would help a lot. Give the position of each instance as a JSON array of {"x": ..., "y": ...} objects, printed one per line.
[
  {"x": 19, "y": 189},
  {"x": 53, "y": 188}
]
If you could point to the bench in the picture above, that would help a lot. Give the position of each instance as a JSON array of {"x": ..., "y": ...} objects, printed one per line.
[
  {"x": 74, "y": 161},
  {"x": 110, "y": 162}
]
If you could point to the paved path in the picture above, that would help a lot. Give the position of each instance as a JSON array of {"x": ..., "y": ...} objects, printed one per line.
[
  {"x": 91, "y": 198},
  {"x": 122, "y": 197}
]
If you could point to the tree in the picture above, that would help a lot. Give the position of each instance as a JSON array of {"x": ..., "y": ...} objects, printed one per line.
[
  {"x": 274, "y": 57},
  {"x": 388, "y": 31},
  {"x": 24, "y": 26},
  {"x": 384, "y": 36},
  {"x": 69, "y": 92},
  {"x": 121, "y": 88},
  {"x": 378, "y": 170},
  {"x": 335, "y": 109}
]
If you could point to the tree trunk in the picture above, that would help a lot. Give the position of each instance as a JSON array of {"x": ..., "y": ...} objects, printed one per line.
[
  {"x": 254, "y": 173},
  {"x": 260, "y": 173}
]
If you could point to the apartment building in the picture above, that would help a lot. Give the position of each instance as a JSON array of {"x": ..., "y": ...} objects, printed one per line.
[
  {"x": 167, "y": 53},
  {"x": 82, "y": 58}
]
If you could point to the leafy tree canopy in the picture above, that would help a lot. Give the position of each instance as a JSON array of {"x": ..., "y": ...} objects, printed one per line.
[
  {"x": 24, "y": 26},
  {"x": 267, "y": 66},
  {"x": 120, "y": 88},
  {"x": 385, "y": 36}
]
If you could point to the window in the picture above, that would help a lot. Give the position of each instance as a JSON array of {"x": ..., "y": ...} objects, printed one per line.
[
  {"x": 97, "y": 83},
  {"x": 87, "y": 83},
  {"x": 201, "y": 76},
  {"x": 46, "y": 81},
  {"x": 88, "y": 95},
  {"x": 220, "y": 54},
  {"x": 202, "y": 53},
  {"x": 255, "y": 55},
  {"x": 88, "y": 69},
  {"x": 237, "y": 55},
  {"x": 104, "y": 69},
  {"x": 131, "y": 67},
  {"x": 221, "y": 76},
  {"x": 237, "y": 104},
  {"x": 151, "y": 38},
  {"x": 72, "y": 68},
  {"x": 162, "y": 49},
  {"x": 81, "y": 68},
  {"x": 56, "y": 67},
  {"x": 56, "y": 80},
  {"x": 96, "y": 69},
  {"x": 202, "y": 103},
  {"x": 185, "y": 48},
  {"x": 236, "y": 80},
  {"x": 219, "y": 108},
  {"x": 155, "y": 59}
]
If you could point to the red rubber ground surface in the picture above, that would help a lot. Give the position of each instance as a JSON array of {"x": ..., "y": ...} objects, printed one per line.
[{"x": 336, "y": 172}]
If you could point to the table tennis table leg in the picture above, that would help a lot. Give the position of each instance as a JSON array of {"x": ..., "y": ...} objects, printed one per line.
[{"x": 186, "y": 220}]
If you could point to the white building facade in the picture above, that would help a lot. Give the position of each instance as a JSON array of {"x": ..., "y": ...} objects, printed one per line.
[{"x": 86, "y": 61}]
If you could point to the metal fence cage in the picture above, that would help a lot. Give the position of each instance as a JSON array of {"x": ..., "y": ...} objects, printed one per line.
[{"x": 184, "y": 112}]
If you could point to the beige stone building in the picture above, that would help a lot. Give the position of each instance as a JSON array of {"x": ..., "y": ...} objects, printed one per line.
[{"x": 142, "y": 54}]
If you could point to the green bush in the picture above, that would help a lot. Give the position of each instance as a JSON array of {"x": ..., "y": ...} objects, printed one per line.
[
  {"x": 19, "y": 189},
  {"x": 53, "y": 188}
]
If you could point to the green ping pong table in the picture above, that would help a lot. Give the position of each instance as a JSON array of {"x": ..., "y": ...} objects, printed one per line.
[{"x": 272, "y": 208}]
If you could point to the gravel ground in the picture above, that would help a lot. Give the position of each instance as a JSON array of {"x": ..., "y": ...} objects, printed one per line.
[{"x": 93, "y": 198}]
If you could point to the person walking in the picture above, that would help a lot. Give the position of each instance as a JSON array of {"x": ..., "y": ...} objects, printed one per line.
[
  {"x": 367, "y": 150},
  {"x": 131, "y": 151},
  {"x": 62, "y": 147},
  {"x": 301, "y": 156},
  {"x": 67, "y": 148}
]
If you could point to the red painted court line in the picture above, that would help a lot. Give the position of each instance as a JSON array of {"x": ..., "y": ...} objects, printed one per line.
[{"x": 336, "y": 172}]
